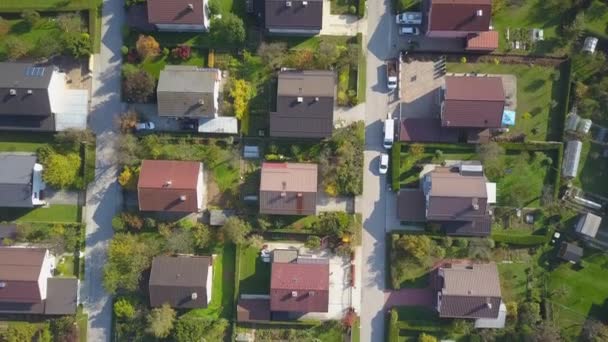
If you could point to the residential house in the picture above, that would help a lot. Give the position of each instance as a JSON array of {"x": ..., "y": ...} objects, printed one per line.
[
  {"x": 457, "y": 199},
  {"x": 171, "y": 186},
  {"x": 27, "y": 285},
  {"x": 471, "y": 292},
  {"x": 469, "y": 20},
  {"x": 570, "y": 252},
  {"x": 588, "y": 224},
  {"x": 288, "y": 189},
  {"x": 21, "y": 183},
  {"x": 179, "y": 15},
  {"x": 299, "y": 287},
  {"x": 183, "y": 281},
  {"x": 305, "y": 104},
  {"x": 295, "y": 17},
  {"x": 36, "y": 98}
]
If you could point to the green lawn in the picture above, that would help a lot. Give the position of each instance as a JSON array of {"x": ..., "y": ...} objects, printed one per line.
[
  {"x": 535, "y": 90},
  {"x": 596, "y": 19},
  {"x": 513, "y": 281},
  {"x": 19, "y": 5},
  {"x": 414, "y": 320},
  {"x": 222, "y": 293},
  {"x": 254, "y": 274},
  {"x": 155, "y": 65},
  {"x": 22, "y": 31},
  {"x": 343, "y": 6},
  {"x": 55, "y": 213},
  {"x": 328, "y": 331},
  {"x": 66, "y": 267},
  {"x": 82, "y": 319},
  {"x": 529, "y": 173},
  {"x": 583, "y": 294},
  {"x": 23, "y": 141},
  {"x": 592, "y": 170}
]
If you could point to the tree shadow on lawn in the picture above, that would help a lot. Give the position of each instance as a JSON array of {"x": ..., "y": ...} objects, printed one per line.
[
  {"x": 559, "y": 93},
  {"x": 259, "y": 281}
]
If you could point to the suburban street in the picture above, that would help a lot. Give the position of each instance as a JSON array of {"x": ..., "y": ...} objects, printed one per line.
[
  {"x": 379, "y": 47},
  {"x": 103, "y": 195}
]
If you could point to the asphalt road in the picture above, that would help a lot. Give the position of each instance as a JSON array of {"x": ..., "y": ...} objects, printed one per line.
[
  {"x": 380, "y": 39},
  {"x": 103, "y": 194}
]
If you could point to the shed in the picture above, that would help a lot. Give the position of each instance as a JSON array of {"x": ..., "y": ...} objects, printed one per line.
[
  {"x": 590, "y": 44},
  {"x": 570, "y": 252},
  {"x": 572, "y": 157},
  {"x": 584, "y": 126},
  {"x": 588, "y": 224},
  {"x": 251, "y": 152},
  {"x": 572, "y": 122},
  {"x": 218, "y": 217}
]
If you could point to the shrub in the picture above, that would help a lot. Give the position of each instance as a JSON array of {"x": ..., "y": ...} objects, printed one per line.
[
  {"x": 16, "y": 48},
  {"x": 520, "y": 240},
  {"x": 462, "y": 242},
  {"x": 47, "y": 46},
  {"x": 352, "y": 9},
  {"x": 313, "y": 242},
  {"x": 211, "y": 58},
  {"x": 181, "y": 52},
  {"x": 124, "y": 50},
  {"x": 61, "y": 170},
  {"x": 31, "y": 17},
  {"x": 77, "y": 44},
  {"x": 463, "y": 60},
  {"x": 132, "y": 221},
  {"x": 138, "y": 86},
  {"x": 118, "y": 223},
  {"x": 149, "y": 223},
  {"x": 229, "y": 28},
  {"x": 123, "y": 309},
  {"x": 147, "y": 46},
  {"x": 5, "y": 27}
]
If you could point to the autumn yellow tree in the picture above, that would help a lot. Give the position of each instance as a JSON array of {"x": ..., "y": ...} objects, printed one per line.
[
  {"x": 241, "y": 92},
  {"x": 147, "y": 46}
]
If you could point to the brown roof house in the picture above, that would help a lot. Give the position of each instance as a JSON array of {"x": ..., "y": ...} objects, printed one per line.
[
  {"x": 35, "y": 97},
  {"x": 305, "y": 104},
  {"x": 297, "y": 17},
  {"x": 288, "y": 189},
  {"x": 471, "y": 292},
  {"x": 27, "y": 285},
  {"x": 183, "y": 281},
  {"x": 468, "y": 19},
  {"x": 171, "y": 186},
  {"x": 457, "y": 199},
  {"x": 188, "y": 91},
  {"x": 179, "y": 15},
  {"x": 299, "y": 287}
]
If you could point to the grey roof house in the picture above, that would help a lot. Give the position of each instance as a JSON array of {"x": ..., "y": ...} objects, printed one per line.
[
  {"x": 288, "y": 189},
  {"x": 27, "y": 285},
  {"x": 588, "y": 224},
  {"x": 183, "y": 281},
  {"x": 21, "y": 182},
  {"x": 459, "y": 200},
  {"x": 570, "y": 252},
  {"x": 188, "y": 91},
  {"x": 305, "y": 104},
  {"x": 297, "y": 17},
  {"x": 469, "y": 292},
  {"x": 36, "y": 98}
]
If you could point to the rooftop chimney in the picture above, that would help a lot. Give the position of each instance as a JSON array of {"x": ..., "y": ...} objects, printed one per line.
[
  {"x": 283, "y": 194},
  {"x": 2, "y": 284},
  {"x": 182, "y": 198},
  {"x": 190, "y": 6},
  {"x": 168, "y": 183},
  {"x": 288, "y": 3},
  {"x": 479, "y": 13},
  {"x": 316, "y": 99},
  {"x": 29, "y": 91},
  {"x": 294, "y": 293},
  {"x": 488, "y": 303},
  {"x": 194, "y": 295},
  {"x": 13, "y": 92},
  {"x": 475, "y": 203},
  {"x": 311, "y": 293},
  {"x": 201, "y": 101},
  {"x": 304, "y": 3},
  {"x": 300, "y": 99}
]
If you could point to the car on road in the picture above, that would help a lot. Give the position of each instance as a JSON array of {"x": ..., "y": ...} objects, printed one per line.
[
  {"x": 145, "y": 126},
  {"x": 383, "y": 167},
  {"x": 409, "y": 31},
  {"x": 409, "y": 18}
]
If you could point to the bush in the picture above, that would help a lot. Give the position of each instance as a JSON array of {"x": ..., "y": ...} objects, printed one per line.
[
  {"x": 132, "y": 221},
  {"x": 16, "y": 48},
  {"x": 463, "y": 60},
  {"x": 5, "y": 27},
  {"x": 61, "y": 171},
  {"x": 520, "y": 240},
  {"x": 361, "y": 8},
  {"x": 147, "y": 46},
  {"x": 77, "y": 44},
  {"x": 181, "y": 52},
  {"x": 211, "y": 58},
  {"x": 118, "y": 223},
  {"x": 395, "y": 166},
  {"x": 138, "y": 86},
  {"x": 352, "y": 9},
  {"x": 31, "y": 17},
  {"x": 124, "y": 50},
  {"x": 123, "y": 309},
  {"x": 313, "y": 242},
  {"x": 229, "y": 29},
  {"x": 149, "y": 223}
]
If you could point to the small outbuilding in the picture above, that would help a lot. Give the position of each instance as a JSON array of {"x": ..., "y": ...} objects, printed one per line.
[
  {"x": 588, "y": 224},
  {"x": 590, "y": 44},
  {"x": 572, "y": 157},
  {"x": 218, "y": 217},
  {"x": 570, "y": 252}
]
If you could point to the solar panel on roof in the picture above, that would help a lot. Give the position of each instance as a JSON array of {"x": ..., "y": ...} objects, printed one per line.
[{"x": 34, "y": 71}]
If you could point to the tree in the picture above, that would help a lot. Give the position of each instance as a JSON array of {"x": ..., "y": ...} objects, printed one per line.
[
  {"x": 128, "y": 177},
  {"x": 229, "y": 29},
  {"x": 426, "y": 338},
  {"x": 416, "y": 246},
  {"x": 132, "y": 221},
  {"x": 235, "y": 230},
  {"x": 160, "y": 321},
  {"x": 128, "y": 150},
  {"x": 492, "y": 157},
  {"x": 191, "y": 328},
  {"x": 416, "y": 150},
  {"x": 313, "y": 242},
  {"x": 20, "y": 332},
  {"x": 575, "y": 29},
  {"x": 128, "y": 120},
  {"x": 65, "y": 329},
  {"x": 77, "y": 44},
  {"x": 147, "y": 46},
  {"x": 31, "y": 17},
  {"x": 594, "y": 331},
  {"x": 255, "y": 241},
  {"x": 273, "y": 54},
  {"x": 69, "y": 22},
  {"x": 5, "y": 27},
  {"x": 16, "y": 48},
  {"x": 71, "y": 139},
  {"x": 201, "y": 235},
  {"x": 335, "y": 224},
  {"x": 123, "y": 309},
  {"x": 118, "y": 223},
  {"x": 214, "y": 7},
  {"x": 138, "y": 86},
  {"x": 128, "y": 257},
  {"x": 529, "y": 313},
  {"x": 180, "y": 241},
  {"x": 241, "y": 92},
  {"x": 327, "y": 54},
  {"x": 61, "y": 170},
  {"x": 63, "y": 238},
  {"x": 546, "y": 331}
]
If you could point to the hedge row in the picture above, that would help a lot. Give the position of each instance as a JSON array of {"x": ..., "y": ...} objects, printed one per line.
[
  {"x": 361, "y": 8},
  {"x": 520, "y": 240},
  {"x": 395, "y": 165},
  {"x": 393, "y": 326},
  {"x": 566, "y": 75}
]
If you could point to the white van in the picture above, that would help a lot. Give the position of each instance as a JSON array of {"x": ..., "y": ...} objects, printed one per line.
[{"x": 389, "y": 133}]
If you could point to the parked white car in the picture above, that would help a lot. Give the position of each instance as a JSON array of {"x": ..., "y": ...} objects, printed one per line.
[
  {"x": 409, "y": 18},
  {"x": 409, "y": 31},
  {"x": 383, "y": 167},
  {"x": 144, "y": 126}
]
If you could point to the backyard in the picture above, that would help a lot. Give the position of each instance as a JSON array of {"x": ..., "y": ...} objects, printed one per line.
[
  {"x": 254, "y": 274},
  {"x": 593, "y": 169},
  {"x": 540, "y": 99},
  {"x": 408, "y": 323},
  {"x": 329, "y": 331},
  {"x": 57, "y": 213}
]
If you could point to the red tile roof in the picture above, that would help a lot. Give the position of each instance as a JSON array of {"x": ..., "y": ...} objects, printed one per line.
[
  {"x": 486, "y": 41},
  {"x": 460, "y": 15},
  {"x": 299, "y": 287},
  {"x": 288, "y": 189},
  {"x": 164, "y": 183},
  {"x": 188, "y": 12},
  {"x": 473, "y": 102}
]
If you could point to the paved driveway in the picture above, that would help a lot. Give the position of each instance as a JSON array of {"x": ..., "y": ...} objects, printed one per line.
[
  {"x": 103, "y": 194},
  {"x": 420, "y": 86},
  {"x": 340, "y": 25}
]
